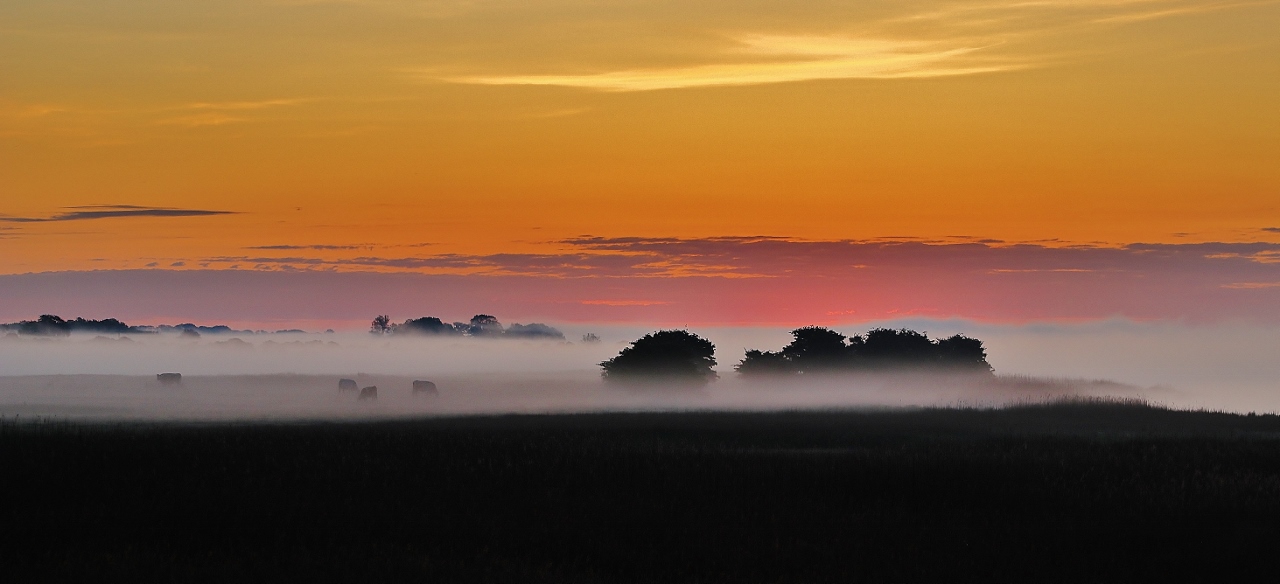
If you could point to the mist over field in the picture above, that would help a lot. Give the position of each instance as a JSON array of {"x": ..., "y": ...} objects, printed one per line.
[{"x": 257, "y": 376}]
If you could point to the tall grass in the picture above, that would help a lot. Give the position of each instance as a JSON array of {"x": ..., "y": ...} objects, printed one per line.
[{"x": 1078, "y": 490}]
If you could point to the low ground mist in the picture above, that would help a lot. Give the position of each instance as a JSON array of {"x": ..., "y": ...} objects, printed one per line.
[
  {"x": 1231, "y": 368},
  {"x": 267, "y": 397}
]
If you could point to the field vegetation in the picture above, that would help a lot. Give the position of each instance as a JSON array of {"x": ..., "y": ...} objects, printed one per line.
[{"x": 1080, "y": 490}]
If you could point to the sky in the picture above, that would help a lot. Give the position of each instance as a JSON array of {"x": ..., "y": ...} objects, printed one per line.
[{"x": 727, "y": 163}]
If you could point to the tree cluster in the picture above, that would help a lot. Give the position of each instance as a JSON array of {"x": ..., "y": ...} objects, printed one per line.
[
  {"x": 671, "y": 355},
  {"x": 816, "y": 349},
  {"x": 481, "y": 325},
  {"x": 53, "y": 325}
]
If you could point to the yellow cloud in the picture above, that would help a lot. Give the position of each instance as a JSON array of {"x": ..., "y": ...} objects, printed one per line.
[
  {"x": 241, "y": 105},
  {"x": 786, "y": 59},
  {"x": 1179, "y": 11},
  {"x": 206, "y": 119},
  {"x": 1251, "y": 285}
]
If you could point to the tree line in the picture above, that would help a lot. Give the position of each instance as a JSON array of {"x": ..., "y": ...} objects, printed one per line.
[
  {"x": 53, "y": 325},
  {"x": 481, "y": 325},
  {"x": 684, "y": 356},
  {"x": 815, "y": 349}
]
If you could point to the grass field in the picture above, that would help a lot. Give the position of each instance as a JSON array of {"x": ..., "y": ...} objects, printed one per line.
[{"x": 1075, "y": 492}]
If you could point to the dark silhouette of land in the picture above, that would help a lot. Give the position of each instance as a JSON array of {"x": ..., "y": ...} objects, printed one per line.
[
  {"x": 815, "y": 349},
  {"x": 54, "y": 325},
  {"x": 666, "y": 357},
  {"x": 480, "y": 326},
  {"x": 1073, "y": 492}
]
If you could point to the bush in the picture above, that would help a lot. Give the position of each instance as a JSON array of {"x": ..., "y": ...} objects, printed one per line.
[
  {"x": 815, "y": 349},
  {"x": 664, "y": 355}
]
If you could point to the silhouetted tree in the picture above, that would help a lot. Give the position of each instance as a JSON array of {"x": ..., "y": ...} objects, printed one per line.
[
  {"x": 427, "y": 325},
  {"x": 764, "y": 363},
  {"x": 815, "y": 349},
  {"x": 381, "y": 325},
  {"x": 671, "y": 355},
  {"x": 484, "y": 325},
  {"x": 109, "y": 325},
  {"x": 533, "y": 330},
  {"x": 891, "y": 347},
  {"x": 590, "y": 338},
  {"x": 961, "y": 352},
  {"x": 47, "y": 324}
]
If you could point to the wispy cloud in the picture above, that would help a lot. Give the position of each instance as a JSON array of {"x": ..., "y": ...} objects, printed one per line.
[
  {"x": 1251, "y": 285},
  {"x": 242, "y": 105},
  {"x": 37, "y": 110},
  {"x": 598, "y": 278},
  {"x": 89, "y": 212},
  {"x": 217, "y": 113},
  {"x": 781, "y": 59},
  {"x": 198, "y": 120},
  {"x": 624, "y": 302},
  {"x": 1177, "y": 11},
  {"x": 321, "y": 247},
  {"x": 1221, "y": 265}
]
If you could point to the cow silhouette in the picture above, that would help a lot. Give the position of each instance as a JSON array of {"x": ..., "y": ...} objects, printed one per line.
[
  {"x": 346, "y": 385},
  {"x": 424, "y": 387},
  {"x": 369, "y": 393},
  {"x": 169, "y": 378}
]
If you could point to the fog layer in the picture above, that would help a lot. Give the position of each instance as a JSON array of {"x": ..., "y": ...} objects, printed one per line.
[{"x": 1229, "y": 367}]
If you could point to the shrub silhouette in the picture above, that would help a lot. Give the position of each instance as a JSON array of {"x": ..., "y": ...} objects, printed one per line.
[
  {"x": 484, "y": 325},
  {"x": 53, "y": 325},
  {"x": 481, "y": 325},
  {"x": 427, "y": 325},
  {"x": 884, "y": 346},
  {"x": 765, "y": 362},
  {"x": 664, "y": 355},
  {"x": 47, "y": 324},
  {"x": 816, "y": 349},
  {"x": 963, "y": 352},
  {"x": 533, "y": 330}
]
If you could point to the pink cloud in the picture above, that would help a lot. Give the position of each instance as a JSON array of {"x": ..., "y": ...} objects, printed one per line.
[{"x": 694, "y": 281}]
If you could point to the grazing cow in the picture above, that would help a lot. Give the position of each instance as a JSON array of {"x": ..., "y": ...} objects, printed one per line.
[
  {"x": 346, "y": 385},
  {"x": 169, "y": 378},
  {"x": 369, "y": 393},
  {"x": 424, "y": 387}
]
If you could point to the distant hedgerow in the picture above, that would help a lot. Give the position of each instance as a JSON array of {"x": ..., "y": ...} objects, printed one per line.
[{"x": 815, "y": 349}]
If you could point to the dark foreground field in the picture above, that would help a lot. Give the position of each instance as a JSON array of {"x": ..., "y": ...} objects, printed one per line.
[{"x": 1072, "y": 493}]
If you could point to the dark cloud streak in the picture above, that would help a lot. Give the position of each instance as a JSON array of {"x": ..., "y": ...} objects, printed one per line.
[
  {"x": 320, "y": 247},
  {"x": 90, "y": 212}
]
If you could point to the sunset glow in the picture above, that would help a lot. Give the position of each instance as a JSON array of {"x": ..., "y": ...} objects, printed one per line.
[{"x": 656, "y": 161}]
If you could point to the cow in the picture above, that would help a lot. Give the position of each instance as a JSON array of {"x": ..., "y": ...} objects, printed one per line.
[
  {"x": 169, "y": 378},
  {"x": 369, "y": 393},
  {"x": 424, "y": 387},
  {"x": 346, "y": 385}
]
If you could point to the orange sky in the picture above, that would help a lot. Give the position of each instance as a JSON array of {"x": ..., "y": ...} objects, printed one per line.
[{"x": 424, "y": 128}]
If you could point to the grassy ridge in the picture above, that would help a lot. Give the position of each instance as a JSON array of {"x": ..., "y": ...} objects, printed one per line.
[{"x": 1070, "y": 492}]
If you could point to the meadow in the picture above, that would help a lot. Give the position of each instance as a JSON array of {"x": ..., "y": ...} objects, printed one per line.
[{"x": 1084, "y": 490}]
